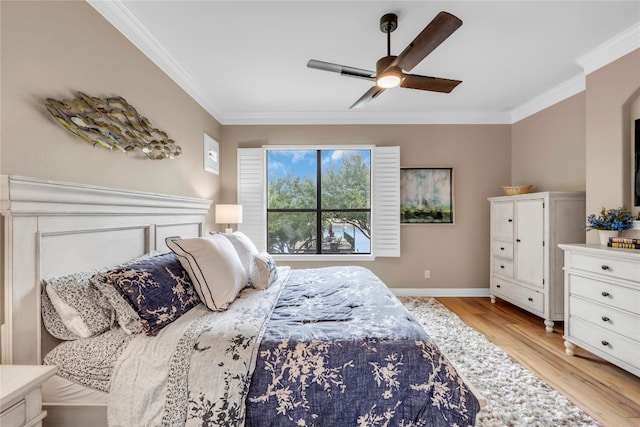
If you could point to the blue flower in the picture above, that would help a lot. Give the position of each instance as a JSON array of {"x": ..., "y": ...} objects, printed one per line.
[{"x": 610, "y": 219}]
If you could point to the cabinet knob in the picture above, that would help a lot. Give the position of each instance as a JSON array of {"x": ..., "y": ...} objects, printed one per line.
[
  {"x": 605, "y": 294},
  {"x": 497, "y": 286},
  {"x": 517, "y": 240},
  {"x": 502, "y": 266},
  {"x": 530, "y": 299},
  {"x": 605, "y": 343},
  {"x": 605, "y": 319},
  {"x": 604, "y": 267},
  {"x": 502, "y": 249},
  {"x": 510, "y": 220}
]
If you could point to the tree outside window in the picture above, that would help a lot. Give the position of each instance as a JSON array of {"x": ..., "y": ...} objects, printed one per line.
[{"x": 319, "y": 201}]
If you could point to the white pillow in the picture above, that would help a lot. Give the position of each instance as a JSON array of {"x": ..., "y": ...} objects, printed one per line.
[
  {"x": 244, "y": 247},
  {"x": 263, "y": 271},
  {"x": 213, "y": 266}
]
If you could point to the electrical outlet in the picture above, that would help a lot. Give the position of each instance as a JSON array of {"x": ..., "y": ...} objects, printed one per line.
[{"x": 427, "y": 274}]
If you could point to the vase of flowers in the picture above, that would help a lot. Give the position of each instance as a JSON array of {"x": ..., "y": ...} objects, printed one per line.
[{"x": 609, "y": 223}]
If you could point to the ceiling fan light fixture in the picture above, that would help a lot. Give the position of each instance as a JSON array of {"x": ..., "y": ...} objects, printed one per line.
[{"x": 390, "y": 78}]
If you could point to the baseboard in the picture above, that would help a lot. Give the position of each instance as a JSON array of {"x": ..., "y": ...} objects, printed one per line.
[{"x": 440, "y": 292}]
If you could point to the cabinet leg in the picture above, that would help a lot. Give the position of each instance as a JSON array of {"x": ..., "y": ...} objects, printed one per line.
[
  {"x": 568, "y": 348},
  {"x": 493, "y": 299},
  {"x": 548, "y": 325}
]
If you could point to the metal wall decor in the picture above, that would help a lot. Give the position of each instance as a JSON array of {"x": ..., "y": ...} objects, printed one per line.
[{"x": 114, "y": 124}]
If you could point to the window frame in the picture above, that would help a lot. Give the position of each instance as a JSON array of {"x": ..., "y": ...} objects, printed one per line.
[
  {"x": 319, "y": 210},
  {"x": 385, "y": 200}
]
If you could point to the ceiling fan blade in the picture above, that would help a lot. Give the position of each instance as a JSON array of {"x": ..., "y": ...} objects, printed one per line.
[
  {"x": 368, "y": 96},
  {"x": 434, "y": 84},
  {"x": 438, "y": 30},
  {"x": 342, "y": 69}
]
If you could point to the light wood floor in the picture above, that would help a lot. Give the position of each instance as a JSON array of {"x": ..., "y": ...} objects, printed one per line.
[{"x": 609, "y": 394}]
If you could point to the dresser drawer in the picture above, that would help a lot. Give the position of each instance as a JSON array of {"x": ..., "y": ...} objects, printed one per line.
[
  {"x": 607, "y": 267},
  {"x": 502, "y": 249},
  {"x": 605, "y": 293},
  {"x": 503, "y": 267},
  {"x": 519, "y": 295},
  {"x": 612, "y": 344},
  {"x": 15, "y": 415},
  {"x": 606, "y": 317}
]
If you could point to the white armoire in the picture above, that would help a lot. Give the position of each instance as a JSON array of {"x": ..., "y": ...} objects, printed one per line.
[{"x": 526, "y": 263}]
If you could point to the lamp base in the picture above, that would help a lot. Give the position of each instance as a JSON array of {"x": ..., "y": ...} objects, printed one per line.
[{"x": 228, "y": 230}]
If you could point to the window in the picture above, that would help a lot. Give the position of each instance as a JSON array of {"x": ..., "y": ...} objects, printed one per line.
[
  {"x": 319, "y": 201},
  {"x": 288, "y": 209}
]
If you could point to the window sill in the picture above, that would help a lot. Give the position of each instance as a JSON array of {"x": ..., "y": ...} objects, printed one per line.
[{"x": 328, "y": 257}]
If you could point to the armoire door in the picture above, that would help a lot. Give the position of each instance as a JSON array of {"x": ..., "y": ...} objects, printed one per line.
[{"x": 529, "y": 242}]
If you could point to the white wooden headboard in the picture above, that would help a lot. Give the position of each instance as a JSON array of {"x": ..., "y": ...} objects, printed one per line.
[{"x": 50, "y": 229}]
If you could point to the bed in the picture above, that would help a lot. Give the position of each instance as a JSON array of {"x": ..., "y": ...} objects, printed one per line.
[{"x": 327, "y": 346}]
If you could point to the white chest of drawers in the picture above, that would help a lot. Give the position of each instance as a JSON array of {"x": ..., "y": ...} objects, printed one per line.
[
  {"x": 602, "y": 303},
  {"x": 20, "y": 394}
]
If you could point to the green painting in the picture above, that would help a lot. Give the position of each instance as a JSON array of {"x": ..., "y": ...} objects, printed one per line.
[{"x": 426, "y": 195}]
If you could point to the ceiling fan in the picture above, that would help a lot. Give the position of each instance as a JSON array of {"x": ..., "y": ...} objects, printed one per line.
[{"x": 390, "y": 70}]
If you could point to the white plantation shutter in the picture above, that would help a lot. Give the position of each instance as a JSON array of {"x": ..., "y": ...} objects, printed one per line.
[
  {"x": 385, "y": 198},
  {"x": 386, "y": 201},
  {"x": 251, "y": 195}
]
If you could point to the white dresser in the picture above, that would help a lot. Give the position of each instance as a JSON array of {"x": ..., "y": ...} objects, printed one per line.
[
  {"x": 602, "y": 303},
  {"x": 526, "y": 263},
  {"x": 20, "y": 394}
]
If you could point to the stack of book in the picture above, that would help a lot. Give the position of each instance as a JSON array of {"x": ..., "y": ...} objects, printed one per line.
[{"x": 624, "y": 242}]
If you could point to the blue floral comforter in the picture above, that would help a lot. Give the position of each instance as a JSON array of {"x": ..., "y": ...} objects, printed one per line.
[
  {"x": 327, "y": 347},
  {"x": 341, "y": 350}
]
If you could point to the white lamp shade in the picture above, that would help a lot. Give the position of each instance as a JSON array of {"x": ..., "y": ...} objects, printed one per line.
[{"x": 229, "y": 214}]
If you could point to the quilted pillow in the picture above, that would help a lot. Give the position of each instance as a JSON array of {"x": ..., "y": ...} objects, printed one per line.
[
  {"x": 263, "y": 271},
  {"x": 158, "y": 289},
  {"x": 214, "y": 267},
  {"x": 72, "y": 307}
]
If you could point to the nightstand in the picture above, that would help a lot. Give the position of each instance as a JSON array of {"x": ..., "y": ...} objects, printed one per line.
[{"x": 20, "y": 394}]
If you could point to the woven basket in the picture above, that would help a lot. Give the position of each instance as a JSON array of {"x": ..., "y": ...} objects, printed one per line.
[{"x": 519, "y": 189}]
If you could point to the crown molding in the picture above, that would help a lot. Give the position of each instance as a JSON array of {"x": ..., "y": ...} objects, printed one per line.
[
  {"x": 611, "y": 50},
  {"x": 366, "y": 118},
  {"x": 118, "y": 15},
  {"x": 559, "y": 93}
]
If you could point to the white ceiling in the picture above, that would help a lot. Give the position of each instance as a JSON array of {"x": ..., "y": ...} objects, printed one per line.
[{"x": 245, "y": 61}]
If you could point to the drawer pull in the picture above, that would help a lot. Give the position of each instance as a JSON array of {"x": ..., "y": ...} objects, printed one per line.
[
  {"x": 517, "y": 240},
  {"x": 530, "y": 299},
  {"x": 604, "y": 267},
  {"x": 605, "y": 294},
  {"x": 510, "y": 220},
  {"x": 605, "y": 319},
  {"x": 605, "y": 343},
  {"x": 497, "y": 286},
  {"x": 502, "y": 249},
  {"x": 502, "y": 266}
]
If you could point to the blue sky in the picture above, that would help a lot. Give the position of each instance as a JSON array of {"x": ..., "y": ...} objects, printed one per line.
[{"x": 303, "y": 162}]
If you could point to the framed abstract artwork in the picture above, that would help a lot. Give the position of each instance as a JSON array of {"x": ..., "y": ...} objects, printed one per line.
[{"x": 426, "y": 196}]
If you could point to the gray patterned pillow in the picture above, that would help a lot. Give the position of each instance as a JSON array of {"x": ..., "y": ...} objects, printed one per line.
[
  {"x": 158, "y": 289},
  {"x": 126, "y": 317},
  {"x": 79, "y": 309},
  {"x": 52, "y": 321}
]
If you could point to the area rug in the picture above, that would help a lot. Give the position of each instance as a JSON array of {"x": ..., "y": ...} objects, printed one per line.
[{"x": 515, "y": 397}]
